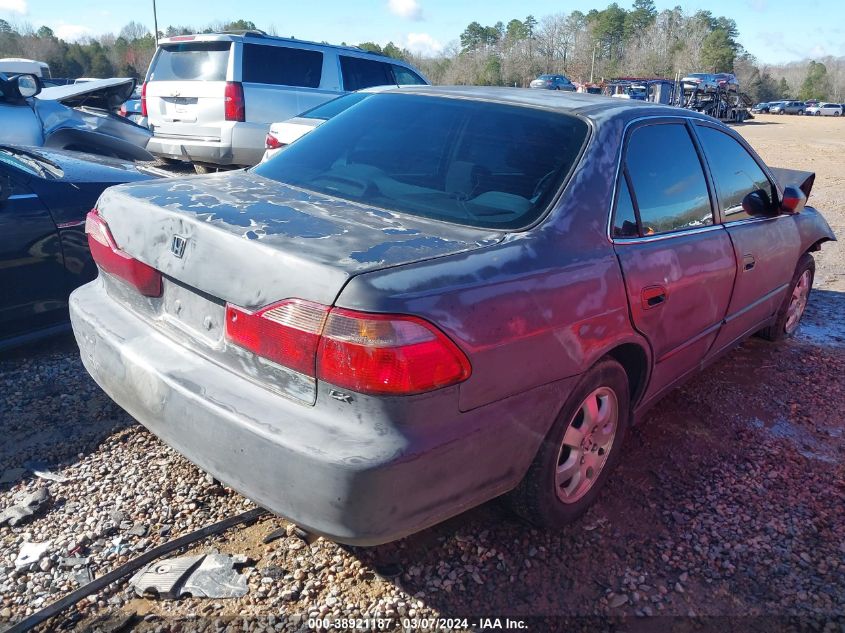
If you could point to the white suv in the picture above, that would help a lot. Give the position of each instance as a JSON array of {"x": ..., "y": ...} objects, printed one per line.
[{"x": 210, "y": 99}]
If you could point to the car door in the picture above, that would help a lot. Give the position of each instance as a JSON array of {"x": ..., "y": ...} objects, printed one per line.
[
  {"x": 766, "y": 244},
  {"x": 33, "y": 293},
  {"x": 677, "y": 261}
]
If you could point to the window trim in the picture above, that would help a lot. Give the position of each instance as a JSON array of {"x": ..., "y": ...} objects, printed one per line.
[
  {"x": 760, "y": 164},
  {"x": 631, "y": 127}
]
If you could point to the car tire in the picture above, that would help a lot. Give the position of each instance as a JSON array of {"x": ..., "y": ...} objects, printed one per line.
[
  {"x": 543, "y": 498},
  {"x": 836, "y": 114},
  {"x": 789, "y": 314}
]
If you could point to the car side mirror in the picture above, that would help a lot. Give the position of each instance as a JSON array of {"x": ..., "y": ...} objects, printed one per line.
[
  {"x": 793, "y": 200},
  {"x": 21, "y": 86},
  {"x": 28, "y": 85},
  {"x": 757, "y": 203}
]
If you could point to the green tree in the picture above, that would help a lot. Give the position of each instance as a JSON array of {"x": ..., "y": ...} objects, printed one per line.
[
  {"x": 372, "y": 47},
  {"x": 530, "y": 25},
  {"x": 768, "y": 89},
  {"x": 5, "y": 27},
  {"x": 472, "y": 37},
  {"x": 783, "y": 88},
  {"x": 45, "y": 32},
  {"x": 516, "y": 31},
  {"x": 718, "y": 51},
  {"x": 816, "y": 84},
  {"x": 240, "y": 25},
  {"x": 640, "y": 18},
  {"x": 391, "y": 50}
]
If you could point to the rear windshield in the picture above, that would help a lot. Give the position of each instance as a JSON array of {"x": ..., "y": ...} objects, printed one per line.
[
  {"x": 469, "y": 162},
  {"x": 191, "y": 61},
  {"x": 329, "y": 109}
]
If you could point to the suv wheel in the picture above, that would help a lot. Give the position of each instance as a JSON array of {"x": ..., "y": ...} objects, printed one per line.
[
  {"x": 579, "y": 452},
  {"x": 792, "y": 309}
]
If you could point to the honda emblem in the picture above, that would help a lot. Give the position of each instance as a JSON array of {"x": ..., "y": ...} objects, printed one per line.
[{"x": 177, "y": 245}]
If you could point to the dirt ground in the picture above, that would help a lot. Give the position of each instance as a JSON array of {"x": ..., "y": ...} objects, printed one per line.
[
  {"x": 816, "y": 144},
  {"x": 727, "y": 512}
]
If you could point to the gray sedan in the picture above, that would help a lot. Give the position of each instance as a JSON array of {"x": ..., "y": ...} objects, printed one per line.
[{"x": 439, "y": 296}]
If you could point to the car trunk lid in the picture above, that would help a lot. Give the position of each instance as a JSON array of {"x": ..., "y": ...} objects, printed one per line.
[{"x": 250, "y": 240}]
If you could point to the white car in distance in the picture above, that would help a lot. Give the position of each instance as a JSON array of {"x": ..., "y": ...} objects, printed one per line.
[
  {"x": 825, "y": 109},
  {"x": 283, "y": 133}
]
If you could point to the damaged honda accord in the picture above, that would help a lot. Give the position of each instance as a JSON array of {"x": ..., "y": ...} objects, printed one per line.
[{"x": 440, "y": 296}]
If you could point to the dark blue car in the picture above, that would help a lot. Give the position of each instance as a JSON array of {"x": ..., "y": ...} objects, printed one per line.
[
  {"x": 44, "y": 196},
  {"x": 553, "y": 82}
]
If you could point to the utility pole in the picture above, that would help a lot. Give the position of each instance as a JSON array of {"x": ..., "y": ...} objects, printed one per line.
[
  {"x": 155, "y": 21},
  {"x": 593, "y": 66}
]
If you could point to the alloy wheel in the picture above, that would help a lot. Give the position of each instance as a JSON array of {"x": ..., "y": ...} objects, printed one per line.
[
  {"x": 586, "y": 444},
  {"x": 798, "y": 302}
]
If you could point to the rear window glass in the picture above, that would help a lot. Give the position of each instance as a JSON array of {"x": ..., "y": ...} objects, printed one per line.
[
  {"x": 282, "y": 66},
  {"x": 329, "y": 109},
  {"x": 361, "y": 73},
  {"x": 192, "y": 61},
  {"x": 469, "y": 162}
]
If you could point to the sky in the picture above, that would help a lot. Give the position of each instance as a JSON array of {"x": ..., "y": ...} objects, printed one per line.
[{"x": 775, "y": 31}]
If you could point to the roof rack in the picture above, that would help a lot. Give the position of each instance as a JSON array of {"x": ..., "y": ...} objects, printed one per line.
[{"x": 250, "y": 32}]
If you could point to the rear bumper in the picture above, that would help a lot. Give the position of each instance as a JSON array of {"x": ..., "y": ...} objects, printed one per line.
[
  {"x": 240, "y": 144},
  {"x": 350, "y": 472}
]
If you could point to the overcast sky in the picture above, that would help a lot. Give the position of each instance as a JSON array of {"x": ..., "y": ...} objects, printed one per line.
[{"x": 773, "y": 30}]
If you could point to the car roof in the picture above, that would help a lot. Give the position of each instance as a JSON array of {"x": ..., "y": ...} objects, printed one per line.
[
  {"x": 592, "y": 106},
  {"x": 258, "y": 37}
]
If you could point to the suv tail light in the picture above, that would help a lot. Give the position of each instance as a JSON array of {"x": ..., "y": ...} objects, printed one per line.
[
  {"x": 234, "y": 100},
  {"x": 271, "y": 142},
  {"x": 144, "y": 99},
  {"x": 368, "y": 353},
  {"x": 113, "y": 260}
]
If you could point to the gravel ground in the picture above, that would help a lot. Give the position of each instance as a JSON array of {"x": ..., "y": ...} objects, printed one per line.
[{"x": 730, "y": 501}]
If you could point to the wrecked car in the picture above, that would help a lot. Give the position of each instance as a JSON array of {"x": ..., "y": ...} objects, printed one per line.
[
  {"x": 440, "y": 296},
  {"x": 79, "y": 117},
  {"x": 45, "y": 195}
]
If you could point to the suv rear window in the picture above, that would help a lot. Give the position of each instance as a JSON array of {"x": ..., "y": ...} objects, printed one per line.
[
  {"x": 282, "y": 65},
  {"x": 469, "y": 162},
  {"x": 191, "y": 61},
  {"x": 361, "y": 73}
]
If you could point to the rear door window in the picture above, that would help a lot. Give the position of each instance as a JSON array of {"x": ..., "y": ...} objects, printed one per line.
[
  {"x": 667, "y": 179},
  {"x": 191, "y": 61},
  {"x": 361, "y": 73},
  {"x": 282, "y": 66},
  {"x": 735, "y": 173}
]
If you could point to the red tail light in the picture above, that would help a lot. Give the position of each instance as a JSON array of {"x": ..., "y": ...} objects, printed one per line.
[
  {"x": 234, "y": 99},
  {"x": 286, "y": 333},
  {"x": 367, "y": 353},
  {"x": 144, "y": 99},
  {"x": 271, "y": 142},
  {"x": 111, "y": 259},
  {"x": 387, "y": 354}
]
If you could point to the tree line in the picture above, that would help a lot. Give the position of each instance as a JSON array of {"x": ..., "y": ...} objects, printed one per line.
[{"x": 592, "y": 46}]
